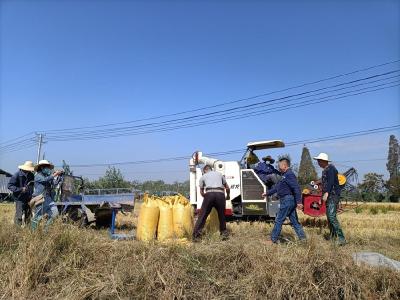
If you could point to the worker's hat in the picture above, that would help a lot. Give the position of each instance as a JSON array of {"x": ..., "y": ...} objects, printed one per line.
[
  {"x": 268, "y": 158},
  {"x": 44, "y": 163},
  {"x": 27, "y": 166},
  {"x": 322, "y": 156}
]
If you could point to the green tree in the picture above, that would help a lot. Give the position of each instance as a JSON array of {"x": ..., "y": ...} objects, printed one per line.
[
  {"x": 393, "y": 166},
  {"x": 393, "y": 186},
  {"x": 372, "y": 186},
  {"x": 307, "y": 171},
  {"x": 393, "y": 163},
  {"x": 112, "y": 179}
]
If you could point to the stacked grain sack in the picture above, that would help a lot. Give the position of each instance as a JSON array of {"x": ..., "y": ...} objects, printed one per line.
[
  {"x": 165, "y": 218},
  {"x": 148, "y": 219}
]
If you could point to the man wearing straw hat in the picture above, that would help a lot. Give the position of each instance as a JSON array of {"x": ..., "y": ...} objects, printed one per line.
[
  {"x": 45, "y": 180},
  {"x": 21, "y": 186},
  {"x": 331, "y": 196},
  {"x": 267, "y": 172}
]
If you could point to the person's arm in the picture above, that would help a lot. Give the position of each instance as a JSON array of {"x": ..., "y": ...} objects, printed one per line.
[
  {"x": 44, "y": 180},
  {"x": 272, "y": 191},
  {"x": 201, "y": 185},
  {"x": 228, "y": 191},
  {"x": 202, "y": 192},
  {"x": 13, "y": 184},
  {"x": 330, "y": 181},
  {"x": 227, "y": 188},
  {"x": 294, "y": 186}
]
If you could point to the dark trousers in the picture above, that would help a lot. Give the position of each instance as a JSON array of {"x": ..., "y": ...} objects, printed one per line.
[
  {"x": 287, "y": 208},
  {"x": 334, "y": 227},
  {"x": 213, "y": 199},
  {"x": 22, "y": 208}
]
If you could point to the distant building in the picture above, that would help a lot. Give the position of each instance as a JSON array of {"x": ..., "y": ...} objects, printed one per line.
[{"x": 4, "y": 178}]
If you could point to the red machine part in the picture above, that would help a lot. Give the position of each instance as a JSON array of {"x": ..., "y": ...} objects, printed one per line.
[{"x": 312, "y": 207}]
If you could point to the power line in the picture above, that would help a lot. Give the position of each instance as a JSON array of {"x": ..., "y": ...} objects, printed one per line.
[
  {"x": 21, "y": 146},
  {"x": 17, "y": 138},
  {"x": 236, "y": 112},
  {"x": 252, "y": 107},
  {"x": 300, "y": 142},
  {"x": 230, "y": 118},
  {"x": 235, "y": 101}
]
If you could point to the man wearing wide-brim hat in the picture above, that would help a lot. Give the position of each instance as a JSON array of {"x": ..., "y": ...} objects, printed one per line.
[
  {"x": 267, "y": 172},
  {"x": 331, "y": 196},
  {"x": 21, "y": 186},
  {"x": 45, "y": 181}
]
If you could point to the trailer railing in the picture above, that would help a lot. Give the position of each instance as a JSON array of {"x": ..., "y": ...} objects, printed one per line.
[{"x": 114, "y": 191}]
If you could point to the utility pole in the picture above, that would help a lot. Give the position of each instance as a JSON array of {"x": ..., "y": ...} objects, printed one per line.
[{"x": 40, "y": 142}]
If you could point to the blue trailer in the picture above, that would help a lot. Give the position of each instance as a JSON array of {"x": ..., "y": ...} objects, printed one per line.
[{"x": 86, "y": 207}]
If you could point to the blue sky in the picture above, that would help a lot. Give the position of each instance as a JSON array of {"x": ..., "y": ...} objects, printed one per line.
[{"x": 81, "y": 63}]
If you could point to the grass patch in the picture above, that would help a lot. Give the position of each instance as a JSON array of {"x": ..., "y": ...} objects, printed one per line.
[
  {"x": 68, "y": 262},
  {"x": 373, "y": 210}
]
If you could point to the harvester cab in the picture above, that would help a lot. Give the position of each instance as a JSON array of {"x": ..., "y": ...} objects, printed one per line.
[{"x": 246, "y": 186}]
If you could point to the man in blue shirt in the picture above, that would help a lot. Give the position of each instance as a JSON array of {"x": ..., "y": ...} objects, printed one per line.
[
  {"x": 288, "y": 191},
  {"x": 266, "y": 171},
  {"x": 21, "y": 186},
  {"x": 331, "y": 195}
]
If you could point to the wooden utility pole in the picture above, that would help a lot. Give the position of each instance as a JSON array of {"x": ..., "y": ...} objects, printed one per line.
[{"x": 40, "y": 142}]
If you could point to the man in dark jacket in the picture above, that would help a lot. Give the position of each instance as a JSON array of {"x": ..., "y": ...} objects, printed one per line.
[
  {"x": 267, "y": 172},
  {"x": 21, "y": 186},
  {"x": 289, "y": 194},
  {"x": 331, "y": 196}
]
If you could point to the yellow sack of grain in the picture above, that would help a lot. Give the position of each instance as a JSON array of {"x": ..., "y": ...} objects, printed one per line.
[
  {"x": 182, "y": 217},
  {"x": 165, "y": 229},
  {"x": 148, "y": 219},
  {"x": 170, "y": 199},
  {"x": 212, "y": 222}
]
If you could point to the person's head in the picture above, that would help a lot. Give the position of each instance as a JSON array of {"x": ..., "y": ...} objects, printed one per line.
[
  {"x": 206, "y": 169},
  {"x": 284, "y": 164},
  {"x": 44, "y": 167},
  {"x": 322, "y": 159},
  {"x": 322, "y": 163},
  {"x": 27, "y": 167}
]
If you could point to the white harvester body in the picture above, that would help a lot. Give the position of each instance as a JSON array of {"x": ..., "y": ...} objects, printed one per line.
[{"x": 246, "y": 187}]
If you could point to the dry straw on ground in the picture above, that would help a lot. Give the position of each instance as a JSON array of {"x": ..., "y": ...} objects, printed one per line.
[{"x": 71, "y": 263}]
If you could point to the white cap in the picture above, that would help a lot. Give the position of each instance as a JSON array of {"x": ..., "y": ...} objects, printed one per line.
[{"x": 322, "y": 156}]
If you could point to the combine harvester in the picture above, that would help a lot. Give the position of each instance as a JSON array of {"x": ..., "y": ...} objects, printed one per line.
[{"x": 247, "y": 188}]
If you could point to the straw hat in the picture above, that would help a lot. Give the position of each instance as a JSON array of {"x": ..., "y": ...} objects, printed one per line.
[
  {"x": 322, "y": 156},
  {"x": 27, "y": 166},
  {"x": 44, "y": 163},
  {"x": 268, "y": 158}
]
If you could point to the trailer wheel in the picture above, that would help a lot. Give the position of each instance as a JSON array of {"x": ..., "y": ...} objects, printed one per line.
[{"x": 77, "y": 216}]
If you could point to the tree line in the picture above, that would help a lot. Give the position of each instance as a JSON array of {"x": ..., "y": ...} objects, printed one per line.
[{"x": 372, "y": 188}]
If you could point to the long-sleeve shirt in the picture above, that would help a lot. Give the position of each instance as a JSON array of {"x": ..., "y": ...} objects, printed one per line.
[
  {"x": 43, "y": 184},
  {"x": 263, "y": 170},
  {"x": 330, "y": 181},
  {"x": 17, "y": 182},
  {"x": 288, "y": 185}
]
